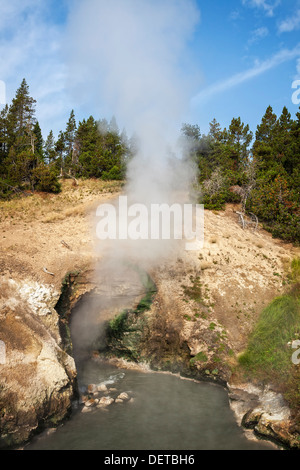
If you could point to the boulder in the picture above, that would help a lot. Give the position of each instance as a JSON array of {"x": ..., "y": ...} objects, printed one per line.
[
  {"x": 123, "y": 396},
  {"x": 105, "y": 401},
  {"x": 90, "y": 403},
  {"x": 38, "y": 376},
  {"x": 92, "y": 388}
]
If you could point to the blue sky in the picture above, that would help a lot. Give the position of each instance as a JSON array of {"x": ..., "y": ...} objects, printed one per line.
[{"x": 243, "y": 55}]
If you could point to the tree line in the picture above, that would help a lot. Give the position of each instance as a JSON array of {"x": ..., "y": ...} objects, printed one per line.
[
  {"x": 261, "y": 171},
  {"x": 89, "y": 149}
]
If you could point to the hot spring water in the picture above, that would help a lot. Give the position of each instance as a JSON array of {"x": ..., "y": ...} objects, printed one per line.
[{"x": 165, "y": 412}]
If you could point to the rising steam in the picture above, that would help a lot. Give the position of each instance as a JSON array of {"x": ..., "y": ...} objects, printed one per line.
[{"x": 130, "y": 59}]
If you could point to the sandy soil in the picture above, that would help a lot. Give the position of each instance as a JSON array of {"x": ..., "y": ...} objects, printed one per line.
[
  {"x": 44, "y": 237},
  {"x": 243, "y": 270},
  {"x": 52, "y": 233},
  {"x": 240, "y": 270}
]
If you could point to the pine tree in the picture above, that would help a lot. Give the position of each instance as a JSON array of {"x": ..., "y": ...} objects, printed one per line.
[
  {"x": 69, "y": 137},
  {"x": 60, "y": 148},
  {"x": 21, "y": 119},
  {"x": 20, "y": 137},
  {"x": 3, "y": 134},
  {"x": 39, "y": 142},
  {"x": 191, "y": 132},
  {"x": 265, "y": 131},
  {"x": 113, "y": 126},
  {"x": 87, "y": 142},
  {"x": 215, "y": 131},
  {"x": 263, "y": 147},
  {"x": 49, "y": 148},
  {"x": 239, "y": 137}
]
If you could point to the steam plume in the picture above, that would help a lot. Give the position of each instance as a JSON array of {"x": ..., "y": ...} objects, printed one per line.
[{"x": 129, "y": 58}]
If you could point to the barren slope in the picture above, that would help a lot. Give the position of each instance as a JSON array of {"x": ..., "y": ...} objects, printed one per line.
[{"x": 207, "y": 302}]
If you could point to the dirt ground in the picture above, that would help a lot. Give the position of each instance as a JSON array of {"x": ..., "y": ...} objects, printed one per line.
[
  {"x": 44, "y": 233},
  {"x": 243, "y": 270},
  {"x": 43, "y": 237},
  {"x": 207, "y": 301}
]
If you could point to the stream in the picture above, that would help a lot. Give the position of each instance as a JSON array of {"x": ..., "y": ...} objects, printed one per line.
[{"x": 165, "y": 412}]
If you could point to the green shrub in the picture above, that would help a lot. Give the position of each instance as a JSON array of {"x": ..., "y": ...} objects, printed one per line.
[
  {"x": 44, "y": 179},
  {"x": 200, "y": 357},
  {"x": 115, "y": 174}
]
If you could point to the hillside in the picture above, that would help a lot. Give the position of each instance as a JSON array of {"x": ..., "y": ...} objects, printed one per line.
[{"x": 206, "y": 306}]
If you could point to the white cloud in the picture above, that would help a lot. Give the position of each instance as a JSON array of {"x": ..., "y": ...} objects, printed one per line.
[
  {"x": 30, "y": 48},
  {"x": 258, "y": 34},
  {"x": 290, "y": 24},
  {"x": 239, "y": 78},
  {"x": 267, "y": 5}
]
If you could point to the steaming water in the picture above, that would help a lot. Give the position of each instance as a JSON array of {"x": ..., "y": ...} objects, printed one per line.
[{"x": 167, "y": 414}]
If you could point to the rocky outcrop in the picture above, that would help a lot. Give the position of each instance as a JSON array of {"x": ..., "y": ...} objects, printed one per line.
[
  {"x": 37, "y": 377},
  {"x": 265, "y": 411},
  {"x": 180, "y": 334},
  {"x": 176, "y": 333}
]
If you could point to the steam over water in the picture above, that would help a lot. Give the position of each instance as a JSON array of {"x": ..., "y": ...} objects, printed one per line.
[
  {"x": 130, "y": 59},
  {"x": 167, "y": 414},
  {"x": 134, "y": 64}
]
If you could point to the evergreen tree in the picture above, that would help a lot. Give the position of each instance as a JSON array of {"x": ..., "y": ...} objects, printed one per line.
[
  {"x": 215, "y": 131},
  {"x": 292, "y": 163},
  {"x": 265, "y": 131},
  {"x": 239, "y": 137},
  {"x": 263, "y": 147},
  {"x": 3, "y": 134},
  {"x": 113, "y": 126},
  {"x": 38, "y": 141},
  {"x": 60, "y": 148},
  {"x": 69, "y": 140},
  {"x": 276, "y": 197},
  {"x": 49, "y": 148},
  {"x": 21, "y": 119},
  {"x": 87, "y": 141},
  {"x": 20, "y": 137}
]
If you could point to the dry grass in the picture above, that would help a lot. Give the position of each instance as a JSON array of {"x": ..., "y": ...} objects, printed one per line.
[{"x": 49, "y": 208}]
